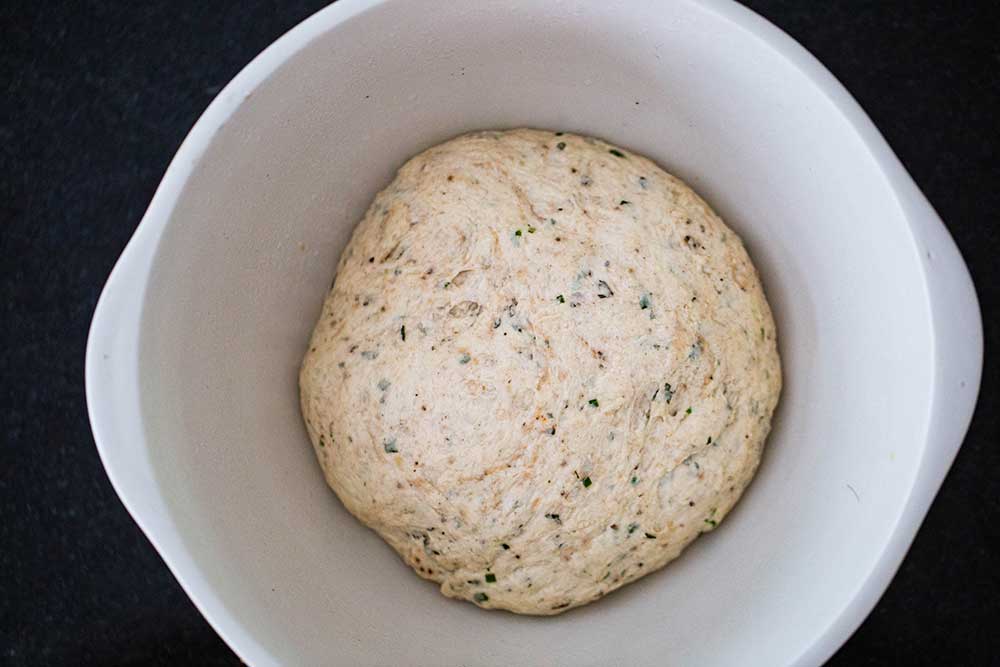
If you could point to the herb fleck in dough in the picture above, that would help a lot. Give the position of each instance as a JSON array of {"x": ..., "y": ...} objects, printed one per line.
[{"x": 544, "y": 368}]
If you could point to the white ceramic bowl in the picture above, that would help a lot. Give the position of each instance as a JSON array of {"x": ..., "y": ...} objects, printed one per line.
[{"x": 196, "y": 342}]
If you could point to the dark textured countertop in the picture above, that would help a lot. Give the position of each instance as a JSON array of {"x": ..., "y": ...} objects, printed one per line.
[{"x": 97, "y": 97}]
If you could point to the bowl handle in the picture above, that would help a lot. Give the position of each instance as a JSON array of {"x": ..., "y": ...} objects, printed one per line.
[
  {"x": 112, "y": 378},
  {"x": 958, "y": 333}
]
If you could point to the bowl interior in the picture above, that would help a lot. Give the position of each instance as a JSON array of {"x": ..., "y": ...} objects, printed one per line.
[{"x": 249, "y": 252}]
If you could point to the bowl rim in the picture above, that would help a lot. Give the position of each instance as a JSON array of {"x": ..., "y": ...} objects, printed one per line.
[{"x": 113, "y": 384}]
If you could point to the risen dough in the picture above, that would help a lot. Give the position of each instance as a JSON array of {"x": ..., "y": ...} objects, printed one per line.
[{"x": 545, "y": 367}]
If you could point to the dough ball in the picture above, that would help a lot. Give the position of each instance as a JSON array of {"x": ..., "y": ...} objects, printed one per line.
[{"x": 544, "y": 368}]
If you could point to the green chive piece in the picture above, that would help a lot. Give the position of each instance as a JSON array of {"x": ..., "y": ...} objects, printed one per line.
[
  {"x": 616, "y": 153},
  {"x": 644, "y": 302},
  {"x": 594, "y": 402},
  {"x": 531, "y": 230},
  {"x": 480, "y": 597},
  {"x": 505, "y": 546},
  {"x": 586, "y": 482},
  {"x": 632, "y": 527},
  {"x": 402, "y": 332},
  {"x": 650, "y": 536},
  {"x": 517, "y": 232},
  {"x": 465, "y": 358},
  {"x": 688, "y": 411},
  {"x": 490, "y": 578},
  {"x": 561, "y": 145},
  {"x": 390, "y": 446},
  {"x": 561, "y": 299}
]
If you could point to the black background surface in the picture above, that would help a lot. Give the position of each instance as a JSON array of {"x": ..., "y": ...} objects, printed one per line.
[{"x": 97, "y": 98}]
